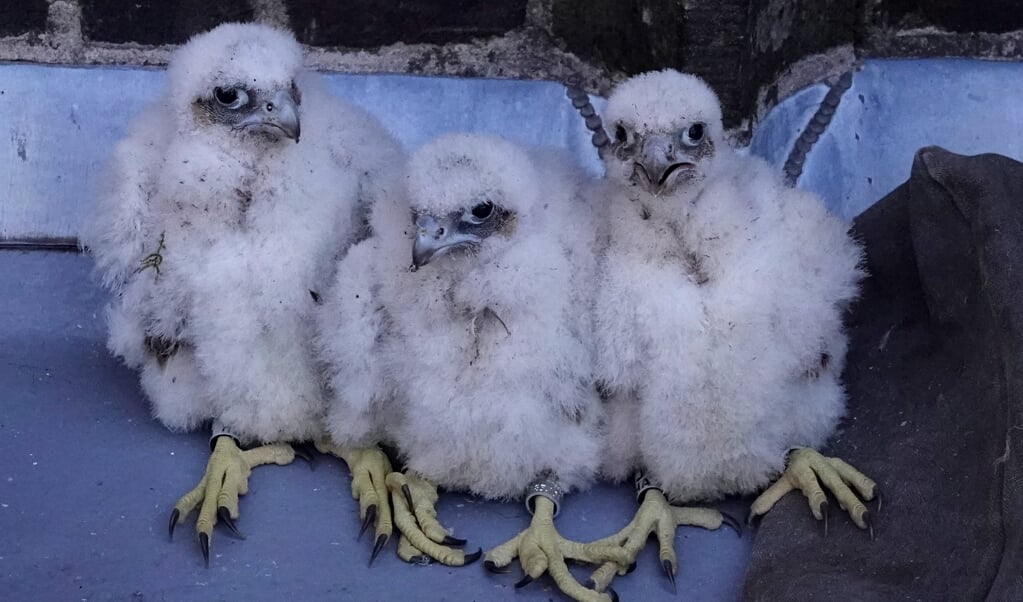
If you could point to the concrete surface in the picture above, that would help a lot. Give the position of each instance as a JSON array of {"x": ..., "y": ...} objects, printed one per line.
[{"x": 88, "y": 479}]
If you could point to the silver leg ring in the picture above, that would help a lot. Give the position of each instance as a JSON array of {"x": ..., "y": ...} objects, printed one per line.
[
  {"x": 643, "y": 485},
  {"x": 548, "y": 487},
  {"x": 219, "y": 430}
]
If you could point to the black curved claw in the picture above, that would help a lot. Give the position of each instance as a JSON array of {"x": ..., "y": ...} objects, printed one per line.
[
  {"x": 305, "y": 451},
  {"x": 408, "y": 495},
  {"x": 669, "y": 571},
  {"x": 471, "y": 558},
  {"x": 869, "y": 519},
  {"x": 612, "y": 593},
  {"x": 877, "y": 496},
  {"x": 224, "y": 515},
  {"x": 454, "y": 542},
  {"x": 730, "y": 521},
  {"x": 204, "y": 545},
  {"x": 521, "y": 583},
  {"x": 379, "y": 545},
  {"x": 371, "y": 515},
  {"x": 175, "y": 515},
  {"x": 753, "y": 520},
  {"x": 825, "y": 509},
  {"x": 630, "y": 568},
  {"x": 492, "y": 567}
]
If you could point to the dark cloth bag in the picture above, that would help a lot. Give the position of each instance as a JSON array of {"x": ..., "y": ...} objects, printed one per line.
[{"x": 935, "y": 415}]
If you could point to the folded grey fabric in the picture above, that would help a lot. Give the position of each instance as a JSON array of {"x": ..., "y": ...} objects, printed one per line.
[{"x": 935, "y": 414}]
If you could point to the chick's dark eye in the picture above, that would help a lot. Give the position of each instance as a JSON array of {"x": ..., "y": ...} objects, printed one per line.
[
  {"x": 696, "y": 132},
  {"x": 231, "y": 98},
  {"x": 225, "y": 96},
  {"x": 621, "y": 135},
  {"x": 483, "y": 210}
]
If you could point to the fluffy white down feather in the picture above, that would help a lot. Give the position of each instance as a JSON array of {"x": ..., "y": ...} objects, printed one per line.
[
  {"x": 251, "y": 226},
  {"x": 469, "y": 404},
  {"x": 709, "y": 381}
]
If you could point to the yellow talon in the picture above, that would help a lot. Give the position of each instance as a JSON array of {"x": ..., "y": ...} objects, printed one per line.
[
  {"x": 422, "y": 536},
  {"x": 226, "y": 478},
  {"x": 369, "y": 468},
  {"x": 807, "y": 470},
  {"x": 655, "y": 516},
  {"x": 540, "y": 548}
]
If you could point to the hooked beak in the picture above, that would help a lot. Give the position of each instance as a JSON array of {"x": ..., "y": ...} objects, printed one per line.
[
  {"x": 280, "y": 113},
  {"x": 434, "y": 239},
  {"x": 660, "y": 160}
]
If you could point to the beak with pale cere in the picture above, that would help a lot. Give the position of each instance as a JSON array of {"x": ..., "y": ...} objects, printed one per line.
[
  {"x": 435, "y": 238},
  {"x": 660, "y": 160},
  {"x": 280, "y": 114}
]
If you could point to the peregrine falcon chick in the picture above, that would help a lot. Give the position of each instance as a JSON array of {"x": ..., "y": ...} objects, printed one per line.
[
  {"x": 475, "y": 363},
  {"x": 718, "y": 317},
  {"x": 226, "y": 204}
]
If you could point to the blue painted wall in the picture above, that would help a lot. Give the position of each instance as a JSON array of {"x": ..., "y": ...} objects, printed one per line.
[
  {"x": 58, "y": 124},
  {"x": 897, "y": 106},
  {"x": 777, "y": 131}
]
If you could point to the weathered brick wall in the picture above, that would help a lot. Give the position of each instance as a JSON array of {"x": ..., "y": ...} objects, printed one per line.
[
  {"x": 157, "y": 21},
  {"x": 783, "y": 33},
  {"x": 709, "y": 38},
  {"x": 477, "y": 38},
  {"x": 367, "y": 23},
  {"x": 989, "y": 16},
  {"x": 355, "y": 23},
  {"x": 796, "y": 41},
  {"x": 754, "y": 52},
  {"x": 25, "y": 16},
  {"x": 981, "y": 28}
]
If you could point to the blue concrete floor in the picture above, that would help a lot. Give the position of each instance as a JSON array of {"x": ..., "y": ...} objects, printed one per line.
[{"x": 88, "y": 479}]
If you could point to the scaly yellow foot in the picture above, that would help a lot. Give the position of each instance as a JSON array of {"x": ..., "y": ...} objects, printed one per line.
[
  {"x": 805, "y": 467},
  {"x": 422, "y": 536},
  {"x": 540, "y": 549},
  {"x": 226, "y": 478},
  {"x": 657, "y": 516},
  {"x": 369, "y": 468}
]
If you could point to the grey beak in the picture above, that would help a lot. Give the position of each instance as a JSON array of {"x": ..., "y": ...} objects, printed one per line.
[
  {"x": 281, "y": 113},
  {"x": 434, "y": 239},
  {"x": 661, "y": 157},
  {"x": 429, "y": 240}
]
